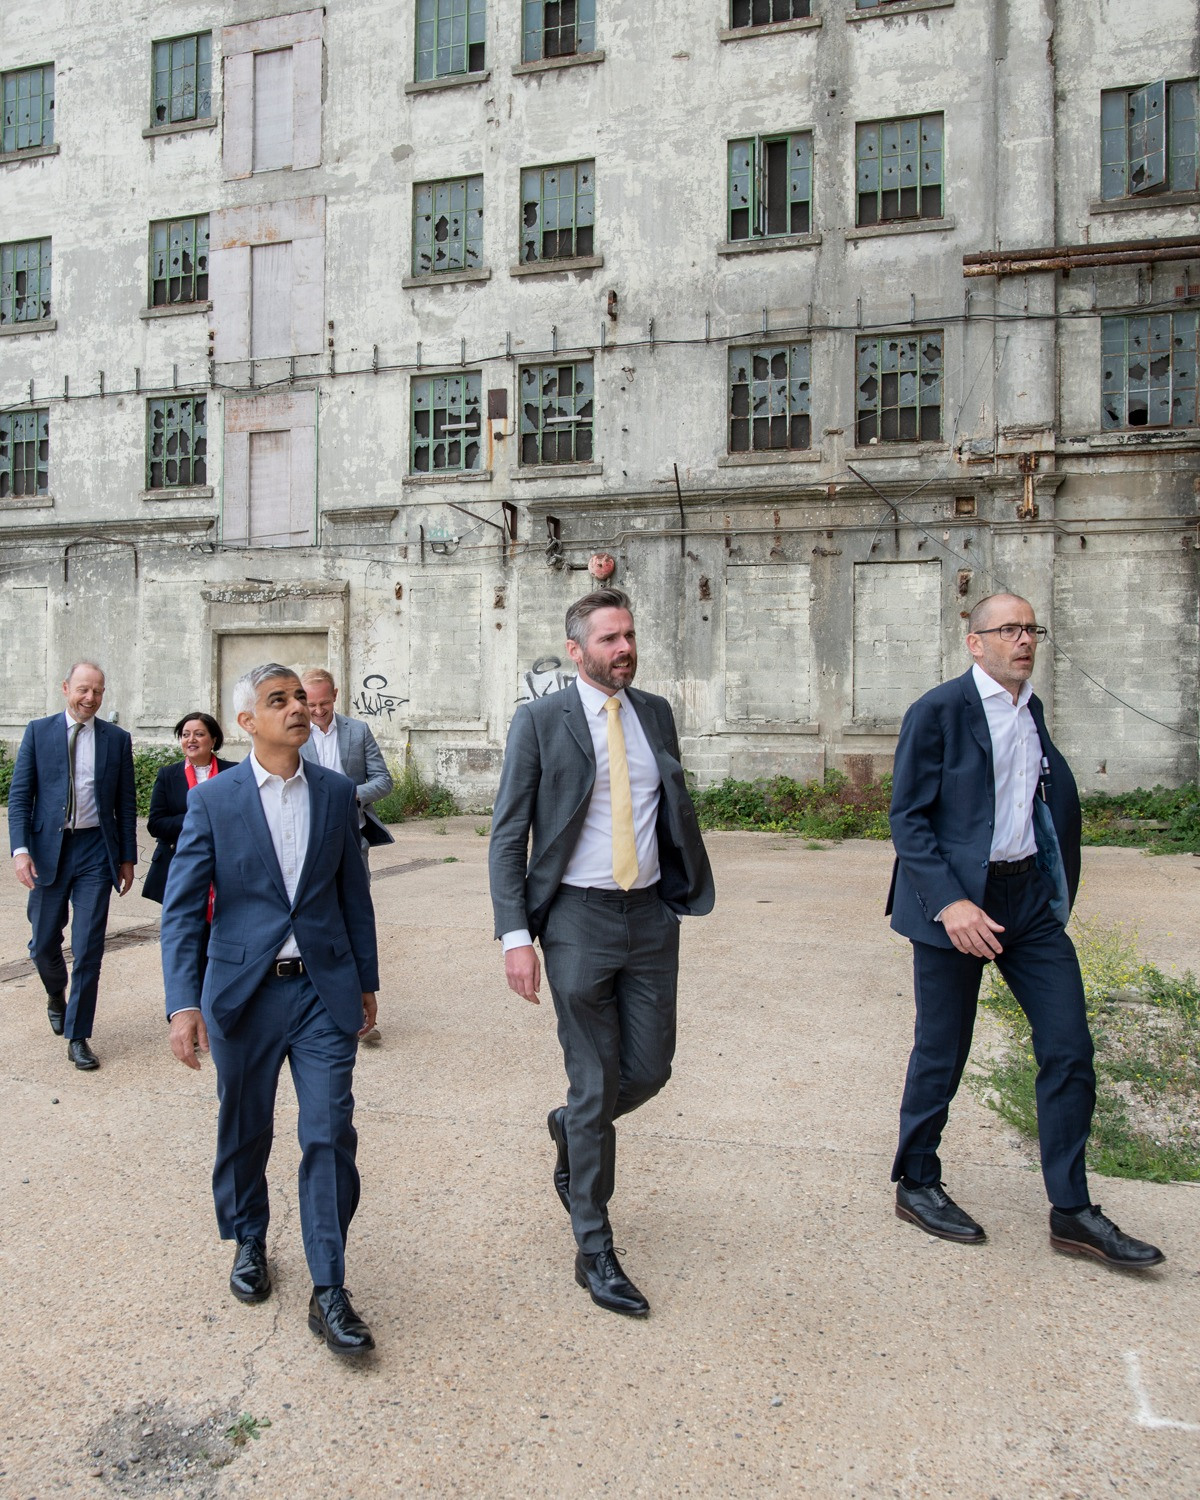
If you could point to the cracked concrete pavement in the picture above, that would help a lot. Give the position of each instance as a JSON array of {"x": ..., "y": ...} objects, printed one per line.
[{"x": 803, "y": 1341}]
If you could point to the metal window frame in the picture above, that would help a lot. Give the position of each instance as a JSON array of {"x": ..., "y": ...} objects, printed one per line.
[
  {"x": 797, "y": 10},
  {"x": 1175, "y": 335},
  {"x": 794, "y": 386},
  {"x": 470, "y": 238},
  {"x": 754, "y": 175},
  {"x": 1143, "y": 126},
  {"x": 197, "y": 432},
  {"x": 10, "y": 99},
  {"x": 571, "y": 414},
  {"x": 462, "y": 380},
  {"x": 185, "y": 245},
  {"x": 201, "y": 90},
  {"x": 876, "y": 410},
  {"x": 435, "y": 21},
  {"x": 583, "y": 209},
  {"x": 13, "y": 432},
  {"x": 10, "y": 254},
  {"x": 873, "y": 164},
  {"x": 534, "y": 29}
]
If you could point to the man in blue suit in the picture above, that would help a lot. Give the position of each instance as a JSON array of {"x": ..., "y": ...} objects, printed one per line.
[
  {"x": 986, "y": 826},
  {"x": 72, "y": 821},
  {"x": 292, "y": 974}
]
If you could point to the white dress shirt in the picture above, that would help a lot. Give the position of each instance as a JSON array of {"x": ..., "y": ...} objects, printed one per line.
[
  {"x": 591, "y": 862},
  {"x": 85, "y": 772},
  {"x": 325, "y": 743},
  {"x": 285, "y": 807},
  {"x": 1016, "y": 762}
]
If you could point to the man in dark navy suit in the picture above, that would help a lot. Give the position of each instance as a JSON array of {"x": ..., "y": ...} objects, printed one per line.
[
  {"x": 986, "y": 825},
  {"x": 292, "y": 974},
  {"x": 72, "y": 822}
]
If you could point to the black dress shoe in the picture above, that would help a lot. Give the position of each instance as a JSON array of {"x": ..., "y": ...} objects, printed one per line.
[
  {"x": 331, "y": 1317},
  {"x": 82, "y": 1055},
  {"x": 1090, "y": 1232},
  {"x": 932, "y": 1209},
  {"x": 56, "y": 1009},
  {"x": 609, "y": 1286},
  {"x": 556, "y": 1124},
  {"x": 250, "y": 1280}
]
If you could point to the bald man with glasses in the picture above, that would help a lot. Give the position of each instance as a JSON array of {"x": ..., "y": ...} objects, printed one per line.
[{"x": 986, "y": 827}]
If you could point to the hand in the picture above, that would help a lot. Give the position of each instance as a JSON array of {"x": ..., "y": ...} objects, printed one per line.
[
  {"x": 523, "y": 972},
  {"x": 125, "y": 877},
  {"x": 370, "y": 1013},
  {"x": 971, "y": 930},
  {"x": 189, "y": 1035},
  {"x": 24, "y": 871}
]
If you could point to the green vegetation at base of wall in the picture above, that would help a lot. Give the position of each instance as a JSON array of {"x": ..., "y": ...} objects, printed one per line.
[
  {"x": 1146, "y": 1027},
  {"x": 1107, "y": 820},
  {"x": 414, "y": 797},
  {"x": 834, "y": 808}
]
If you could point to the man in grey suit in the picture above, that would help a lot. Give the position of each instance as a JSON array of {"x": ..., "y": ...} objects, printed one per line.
[{"x": 594, "y": 774}]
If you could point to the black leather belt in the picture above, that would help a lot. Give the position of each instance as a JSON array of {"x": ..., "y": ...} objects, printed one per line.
[
  {"x": 1012, "y": 866},
  {"x": 287, "y": 968}
]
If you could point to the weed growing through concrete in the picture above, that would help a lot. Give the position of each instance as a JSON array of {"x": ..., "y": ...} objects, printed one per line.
[
  {"x": 1146, "y": 1026},
  {"x": 244, "y": 1428}
]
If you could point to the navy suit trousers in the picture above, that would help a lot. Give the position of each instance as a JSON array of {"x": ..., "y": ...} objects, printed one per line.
[
  {"x": 285, "y": 1021},
  {"x": 1040, "y": 967},
  {"x": 82, "y": 888}
]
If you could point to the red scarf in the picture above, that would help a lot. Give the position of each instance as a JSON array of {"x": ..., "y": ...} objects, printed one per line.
[{"x": 193, "y": 780}]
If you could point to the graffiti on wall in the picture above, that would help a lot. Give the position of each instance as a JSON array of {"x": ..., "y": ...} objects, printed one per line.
[
  {"x": 374, "y": 701},
  {"x": 543, "y": 678}
]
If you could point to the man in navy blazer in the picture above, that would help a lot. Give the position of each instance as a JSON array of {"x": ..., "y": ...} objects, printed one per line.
[
  {"x": 72, "y": 822},
  {"x": 986, "y": 826},
  {"x": 292, "y": 974}
]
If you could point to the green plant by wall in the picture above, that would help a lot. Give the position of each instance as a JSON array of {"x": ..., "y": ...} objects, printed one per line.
[
  {"x": 835, "y": 808},
  {"x": 414, "y": 797},
  {"x": 148, "y": 760}
]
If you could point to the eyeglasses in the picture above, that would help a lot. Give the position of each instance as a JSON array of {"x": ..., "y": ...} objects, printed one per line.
[{"x": 1015, "y": 632}]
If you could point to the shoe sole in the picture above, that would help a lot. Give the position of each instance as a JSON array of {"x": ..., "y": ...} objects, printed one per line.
[
  {"x": 563, "y": 1198},
  {"x": 87, "y": 1067},
  {"x": 940, "y": 1234},
  {"x": 626, "y": 1312},
  {"x": 1074, "y": 1247},
  {"x": 249, "y": 1298},
  {"x": 314, "y": 1327}
]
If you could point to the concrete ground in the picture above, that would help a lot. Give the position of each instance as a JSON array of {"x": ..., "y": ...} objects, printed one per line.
[{"x": 803, "y": 1340}]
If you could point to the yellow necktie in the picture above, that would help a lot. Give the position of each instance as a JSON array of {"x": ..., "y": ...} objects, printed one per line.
[{"x": 625, "y": 865}]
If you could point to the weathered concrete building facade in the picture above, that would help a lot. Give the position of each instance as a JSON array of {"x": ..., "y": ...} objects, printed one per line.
[{"x": 349, "y": 334}]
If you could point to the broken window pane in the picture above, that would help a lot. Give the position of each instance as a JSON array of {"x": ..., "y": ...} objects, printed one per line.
[
  {"x": 898, "y": 169},
  {"x": 770, "y": 398},
  {"x": 447, "y": 226},
  {"x": 898, "y": 389},
  {"x": 450, "y": 38},
  {"x": 24, "y": 453},
  {"x": 179, "y": 261},
  {"x": 1148, "y": 139},
  {"x": 557, "y": 408},
  {"x": 176, "y": 442},
  {"x": 557, "y": 28},
  {"x": 766, "y": 12},
  {"x": 446, "y": 423},
  {"x": 558, "y": 210},
  {"x": 770, "y": 186},
  {"x": 1148, "y": 370},
  {"x": 183, "y": 79},
  {"x": 25, "y": 281},
  {"x": 27, "y": 98}
]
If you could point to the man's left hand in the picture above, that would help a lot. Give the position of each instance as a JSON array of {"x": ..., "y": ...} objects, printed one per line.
[
  {"x": 370, "y": 1013},
  {"x": 125, "y": 877}
]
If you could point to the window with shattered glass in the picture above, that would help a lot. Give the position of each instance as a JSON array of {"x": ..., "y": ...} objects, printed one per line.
[
  {"x": 557, "y": 28},
  {"x": 557, "y": 413},
  {"x": 25, "y": 281},
  {"x": 446, "y": 423},
  {"x": 24, "y": 453},
  {"x": 179, "y": 261},
  {"x": 183, "y": 79},
  {"x": 899, "y": 389},
  {"x": 1149, "y": 370},
  {"x": 770, "y": 398},
  {"x": 770, "y": 186},
  {"x": 450, "y": 38},
  {"x": 1149, "y": 140},
  {"x": 899, "y": 169},
  {"x": 558, "y": 212},
  {"x": 766, "y": 12},
  {"x": 447, "y": 226},
  {"x": 27, "y": 97},
  {"x": 176, "y": 442}
]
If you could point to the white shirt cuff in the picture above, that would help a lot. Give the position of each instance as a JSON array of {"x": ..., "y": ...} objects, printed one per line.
[
  {"x": 21, "y": 850},
  {"x": 179, "y": 1010},
  {"x": 520, "y": 938}
]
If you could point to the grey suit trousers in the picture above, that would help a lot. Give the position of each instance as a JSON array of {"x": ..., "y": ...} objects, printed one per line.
[{"x": 612, "y": 963}]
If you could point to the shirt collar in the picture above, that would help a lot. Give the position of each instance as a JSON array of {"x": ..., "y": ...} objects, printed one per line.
[
  {"x": 84, "y": 724},
  {"x": 262, "y": 775},
  {"x": 988, "y": 687},
  {"x": 326, "y": 733},
  {"x": 594, "y": 698}
]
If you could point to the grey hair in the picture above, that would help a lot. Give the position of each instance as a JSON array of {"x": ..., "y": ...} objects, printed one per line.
[
  {"x": 981, "y": 611},
  {"x": 583, "y": 609},
  {"x": 245, "y": 689},
  {"x": 75, "y": 666}
]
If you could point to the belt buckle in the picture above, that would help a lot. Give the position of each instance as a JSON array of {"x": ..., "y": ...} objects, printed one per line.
[{"x": 288, "y": 968}]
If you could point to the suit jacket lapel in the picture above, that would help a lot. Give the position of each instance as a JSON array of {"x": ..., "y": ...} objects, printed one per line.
[
  {"x": 256, "y": 820},
  {"x": 577, "y": 723},
  {"x": 343, "y": 733},
  {"x": 101, "y": 759},
  {"x": 318, "y": 818}
]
